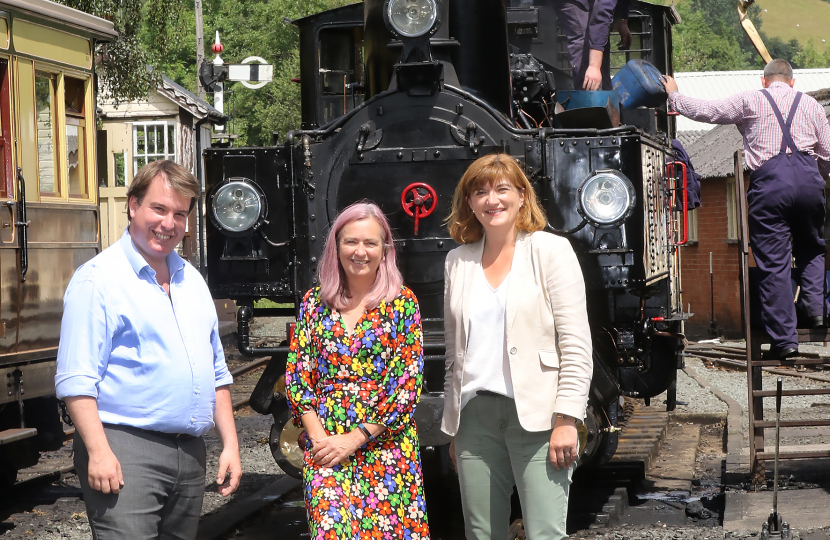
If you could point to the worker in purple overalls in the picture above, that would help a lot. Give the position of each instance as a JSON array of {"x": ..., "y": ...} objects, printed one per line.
[
  {"x": 789, "y": 157},
  {"x": 586, "y": 25}
]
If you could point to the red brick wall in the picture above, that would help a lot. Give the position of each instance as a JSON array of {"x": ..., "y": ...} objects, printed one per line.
[{"x": 711, "y": 232}]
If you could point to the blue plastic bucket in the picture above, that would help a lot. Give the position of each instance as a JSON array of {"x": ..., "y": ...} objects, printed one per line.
[
  {"x": 581, "y": 99},
  {"x": 638, "y": 84}
]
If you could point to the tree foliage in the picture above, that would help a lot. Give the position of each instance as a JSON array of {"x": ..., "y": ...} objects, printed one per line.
[
  {"x": 711, "y": 38},
  {"x": 123, "y": 63}
]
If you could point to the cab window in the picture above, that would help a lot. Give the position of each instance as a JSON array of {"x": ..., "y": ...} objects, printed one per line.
[{"x": 340, "y": 71}]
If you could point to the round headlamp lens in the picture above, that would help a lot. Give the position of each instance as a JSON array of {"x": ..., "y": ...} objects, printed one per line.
[
  {"x": 236, "y": 206},
  {"x": 412, "y": 18},
  {"x": 605, "y": 198}
]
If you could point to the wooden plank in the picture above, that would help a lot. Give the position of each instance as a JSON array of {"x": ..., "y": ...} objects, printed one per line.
[
  {"x": 803, "y": 392},
  {"x": 791, "y": 423},
  {"x": 792, "y": 362},
  {"x": 793, "y": 455}
]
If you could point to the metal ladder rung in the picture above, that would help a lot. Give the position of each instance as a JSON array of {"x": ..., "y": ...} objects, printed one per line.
[
  {"x": 792, "y": 455},
  {"x": 793, "y": 362},
  {"x": 792, "y": 423},
  {"x": 805, "y": 392},
  {"x": 813, "y": 334}
]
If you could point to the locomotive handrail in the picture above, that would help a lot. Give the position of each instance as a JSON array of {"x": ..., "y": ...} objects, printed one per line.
[
  {"x": 23, "y": 224},
  {"x": 685, "y": 210},
  {"x": 325, "y": 129}
]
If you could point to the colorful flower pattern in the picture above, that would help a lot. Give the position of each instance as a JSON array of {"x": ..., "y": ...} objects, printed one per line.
[{"x": 373, "y": 375}]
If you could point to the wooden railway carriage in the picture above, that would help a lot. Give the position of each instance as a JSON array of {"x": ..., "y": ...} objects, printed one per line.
[
  {"x": 396, "y": 104},
  {"x": 48, "y": 207}
]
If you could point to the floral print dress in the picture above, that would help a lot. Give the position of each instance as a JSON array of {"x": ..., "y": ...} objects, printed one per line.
[{"x": 374, "y": 376}]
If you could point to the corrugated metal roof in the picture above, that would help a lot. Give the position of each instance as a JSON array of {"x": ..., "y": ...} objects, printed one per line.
[{"x": 722, "y": 84}]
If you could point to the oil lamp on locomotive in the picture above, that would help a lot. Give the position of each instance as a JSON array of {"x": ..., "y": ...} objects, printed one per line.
[{"x": 396, "y": 104}]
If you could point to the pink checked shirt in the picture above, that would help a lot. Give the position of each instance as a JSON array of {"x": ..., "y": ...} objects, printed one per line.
[{"x": 753, "y": 116}]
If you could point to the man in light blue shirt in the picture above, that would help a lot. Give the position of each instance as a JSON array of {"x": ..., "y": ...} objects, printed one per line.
[{"x": 142, "y": 371}]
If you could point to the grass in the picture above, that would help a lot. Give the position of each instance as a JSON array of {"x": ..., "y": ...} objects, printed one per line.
[
  {"x": 265, "y": 303},
  {"x": 782, "y": 16}
]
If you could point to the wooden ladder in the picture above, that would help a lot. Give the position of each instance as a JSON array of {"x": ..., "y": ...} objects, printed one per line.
[{"x": 755, "y": 337}]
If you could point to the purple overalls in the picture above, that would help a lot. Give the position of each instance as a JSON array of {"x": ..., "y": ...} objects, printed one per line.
[{"x": 786, "y": 219}]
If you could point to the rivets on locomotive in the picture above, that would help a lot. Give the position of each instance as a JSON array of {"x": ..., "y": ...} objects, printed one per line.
[
  {"x": 313, "y": 238},
  {"x": 614, "y": 141},
  {"x": 360, "y": 157},
  {"x": 561, "y": 143},
  {"x": 588, "y": 142},
  {"x": 312, "y": 217},
  {"x": 437, "y": 153},
  {"x": 574, "y": 143},
  {"x": 440, "y": 243},
  {"x": 400, "y": 155},
  {"x": 313, "y": 260}
]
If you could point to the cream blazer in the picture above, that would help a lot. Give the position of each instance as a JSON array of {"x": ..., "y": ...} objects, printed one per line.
[{"x": 547, "y": 332}]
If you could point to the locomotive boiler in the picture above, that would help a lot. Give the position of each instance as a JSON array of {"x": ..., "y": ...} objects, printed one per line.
[{"x": 398, "y": 98}]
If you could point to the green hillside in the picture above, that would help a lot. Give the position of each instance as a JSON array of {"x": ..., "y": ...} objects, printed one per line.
[{"x": 782, "y": 17}]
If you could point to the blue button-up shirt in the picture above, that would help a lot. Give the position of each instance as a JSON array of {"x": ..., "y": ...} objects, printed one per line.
[{"x": 151, "y": 361}]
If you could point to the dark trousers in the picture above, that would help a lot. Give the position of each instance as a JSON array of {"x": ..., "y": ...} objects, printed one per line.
[
  {"x": 573, "y": 20},
  {"x": 164, "y": 483},
  {"x": 786, "y": 220}
]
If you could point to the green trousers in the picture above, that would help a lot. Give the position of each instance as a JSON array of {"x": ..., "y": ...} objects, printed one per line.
[{"x": 494, "y": 453}]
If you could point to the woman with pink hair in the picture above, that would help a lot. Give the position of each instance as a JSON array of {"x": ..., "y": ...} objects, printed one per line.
[{"x": 353, "y": 377}]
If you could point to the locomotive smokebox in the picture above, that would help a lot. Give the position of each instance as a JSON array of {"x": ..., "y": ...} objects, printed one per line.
[{"x": 469, "y": 37}]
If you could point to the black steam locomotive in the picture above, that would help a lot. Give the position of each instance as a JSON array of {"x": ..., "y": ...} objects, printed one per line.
[{"x": 398, "y": 98}]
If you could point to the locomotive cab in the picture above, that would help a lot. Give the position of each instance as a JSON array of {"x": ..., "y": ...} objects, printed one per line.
[{"x": 395, "y": 108}]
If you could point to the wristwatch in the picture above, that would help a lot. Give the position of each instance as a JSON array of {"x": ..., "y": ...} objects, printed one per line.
[{"x": 567, "y": 417}]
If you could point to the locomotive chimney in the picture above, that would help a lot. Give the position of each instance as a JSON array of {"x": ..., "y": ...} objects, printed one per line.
[
  {"x": 379, "y": 59},
  {"x": 482, "y": 60}
]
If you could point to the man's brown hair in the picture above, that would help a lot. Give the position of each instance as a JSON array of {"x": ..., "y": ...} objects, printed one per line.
[
  {"x": 463, "y": 225},
  {"x": 177, "y": 177},
  {"x": 779, "y": 69}
]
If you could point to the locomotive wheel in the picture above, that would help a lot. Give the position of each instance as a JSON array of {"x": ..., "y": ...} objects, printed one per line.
[{"x": 284, "y": 446}]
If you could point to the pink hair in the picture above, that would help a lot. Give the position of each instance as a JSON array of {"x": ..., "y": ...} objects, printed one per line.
[{"x": 334, "y": 289}]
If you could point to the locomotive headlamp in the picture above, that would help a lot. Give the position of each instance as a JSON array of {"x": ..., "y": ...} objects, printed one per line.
[
  {"x": 606, "y": 198},
  {"x": 411, "y": 18},
  {"x": 238, "y": 206}
]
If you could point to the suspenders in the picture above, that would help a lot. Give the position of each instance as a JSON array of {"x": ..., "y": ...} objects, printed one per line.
[{"x": 787, "y": 140}]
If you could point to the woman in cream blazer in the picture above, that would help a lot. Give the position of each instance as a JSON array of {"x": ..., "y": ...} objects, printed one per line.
[{"x": 518, "y": 346}]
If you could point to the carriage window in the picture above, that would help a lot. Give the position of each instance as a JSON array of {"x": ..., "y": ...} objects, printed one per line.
[
  {"x": 153, "y": 141},
  {"x": 45, "y": 110},
  {"x": 341, "y": 74},
  {"x": 6, "y": 176},
  {"x": 76, "y": 162}
]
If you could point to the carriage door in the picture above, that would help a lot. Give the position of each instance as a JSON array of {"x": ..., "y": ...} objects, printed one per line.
[{"x": 8, "y": 252}]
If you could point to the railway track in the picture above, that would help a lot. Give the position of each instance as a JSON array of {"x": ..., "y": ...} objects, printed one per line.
[{"x": 598, "y": 499}]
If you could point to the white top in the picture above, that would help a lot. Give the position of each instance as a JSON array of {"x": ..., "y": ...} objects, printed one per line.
[{"x": 486, "y": 366}]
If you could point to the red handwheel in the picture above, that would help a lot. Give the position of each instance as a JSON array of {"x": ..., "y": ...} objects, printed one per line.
[{"x": 416, "y": 206}]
